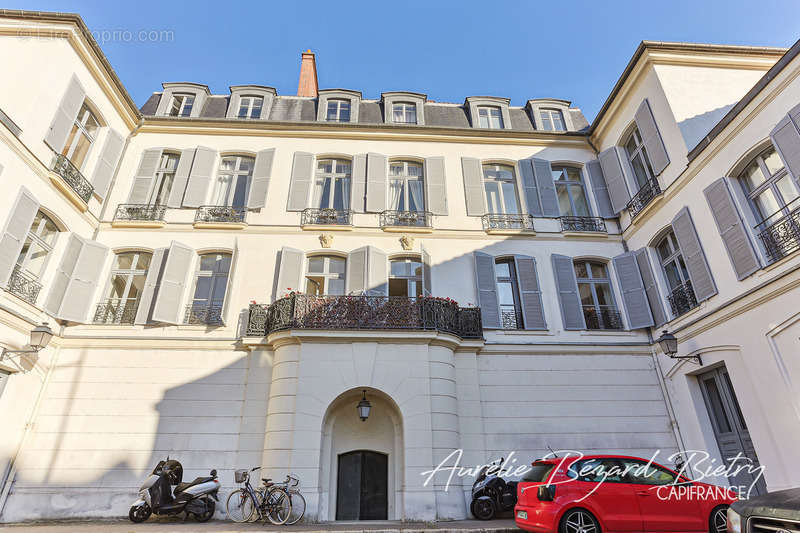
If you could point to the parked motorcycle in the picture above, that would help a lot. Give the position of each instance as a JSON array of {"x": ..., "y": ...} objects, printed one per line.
[
  {"x": 491, "y": 494},
  {"x": 157, "y": 496}
]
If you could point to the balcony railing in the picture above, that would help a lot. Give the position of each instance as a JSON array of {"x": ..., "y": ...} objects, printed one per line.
[
  {"x": 116, "y": 311},
  {"x": 646, "y": 193},
  {"x": 210, "y": 314},
  {"x": 220, "y": 213},
  {"x": 326, "y": 217},
  {"x": 595, "y": 224},
  {"x": 24, "y": 285},
  {"x": 302, "y": 311},
  {"x": 682, "y": 299},
  {"x": 510, "y": 319},
  {"x": 73, "y": 177},
  {"x": 507, "y": 222},
  {"x": 782, "y": 237},
  {"x": 415, "y": 219},
  {"x": 144, "y": 212},
  {"x": 602, "y": 317}
]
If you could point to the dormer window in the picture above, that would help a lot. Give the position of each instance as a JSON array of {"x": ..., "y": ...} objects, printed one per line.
[
  {"x": 250, "y": 107},
  {"x": 181, "y": 105},
  {"x": 404, "y": 113},
  {"x": 490, "y": 117},
  {"x": 338, "y": 110},
  {"x": 552, "y": 120}
]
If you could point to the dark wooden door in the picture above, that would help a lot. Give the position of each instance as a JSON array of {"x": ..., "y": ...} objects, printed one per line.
[{"x": 362, "y": 486}]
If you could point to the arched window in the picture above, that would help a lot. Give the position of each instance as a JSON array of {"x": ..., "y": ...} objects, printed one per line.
[
  {"x": 640, "y": 161},
  {"x": 332, "y": 184},
  {"x": 325, "y": 275},
  {"x": 571, "y": 191},
  {"x": 501, "y": 190},
  {"x": 81, "y": 136},
  {"x": 597, "y": 299},
  {"x": 211, "y": 282},
  {"x": 771, "y": 190},
  {"x": 32, "y": 259},
  {"x": 406, "y": 191},
  {"x": 681, "y": 297},
  {"x": 163, "y": 179},
  {"x": 233, "y": 181},
  {"x": 405, "y": 277},
  {"x": 125, "y": 286}
]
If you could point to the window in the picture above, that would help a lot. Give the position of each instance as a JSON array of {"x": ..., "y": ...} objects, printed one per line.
[
  {"x": 38, "y": 245},
  {"x": 570, "y": 191},
  {"x": 769, "y": 187},
  {"x": 552, "y": 120},
  {"x": 672, "y": 261},
  {"x": 211, "y": 282},
  {"x": 508, "y": 294},
  {"x": 250, "y": 106},
  {"x": 405, "y": 277},
  {"x": 501, "y": 190},
  {"x": 640, "y": 161},
  {"x": 165, "y": 175},
  {"x": 181, "y": 105},
  {"x": 332, "y": 184},
  {"x": 404, "y": 113},
  {"x": 490, "y": 117},
  {"x": 596, "y": 471},
  {"x": 81, "y": 137},
  {"x": 233, "y": 181},
  {"x": 597, "y": 300},
  {"x": 124, "y": 288},
  {"x": 642, "y": 473},
  {"x": 406, "y": 192},
  {"x": 325, "y": 275},
  {"x": 338, "y": 110}
]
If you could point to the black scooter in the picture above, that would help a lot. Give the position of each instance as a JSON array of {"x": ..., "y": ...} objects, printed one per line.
[
  {"x": 156, "y": 494},
  {"x": 491, "y": 494}
]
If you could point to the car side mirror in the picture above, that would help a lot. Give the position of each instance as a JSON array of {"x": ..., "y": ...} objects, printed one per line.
[{"x": 214, "y": 473}]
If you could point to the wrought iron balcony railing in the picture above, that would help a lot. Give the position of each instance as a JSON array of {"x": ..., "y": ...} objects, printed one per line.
[
  {"x": 146, "y": 212},
  {"x": 595, "y": 224},
  {"x": 682, "y": 299},
  {"x": 210, "y": 314},
  {"x": 507, "y": 222},
  {"x": 24, "y": 285},
  {"x": 646, "y": 193},
  {"x": 303, "y": 311},
  {"x": 326, "y": 217},
  {"x": 116, "y": 311},
  {"x": 511, "y": 319},
  {"x": 782, "y": 237},
  {"x": 602, "y": 317},
  {"x": 416, "y": 219},
  {"x": 73, "y": 177},
  {"x": 220, "y": 213}
]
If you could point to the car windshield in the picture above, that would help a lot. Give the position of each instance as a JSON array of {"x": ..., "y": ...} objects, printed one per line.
[{"x": 538, "y": 473}]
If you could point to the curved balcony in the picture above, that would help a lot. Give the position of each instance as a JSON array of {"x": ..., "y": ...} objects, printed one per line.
[
  {"x": 24, "y": 285},
  {"x": 147, "y": 215},
  {"x": 220, "y": 216},
  {"x": 646, "y": 194},
  {"x": 406, "y": 219},
  {"x": 326, "y": 216},
  {"x": 782, "y": 237},
  {"x": 499, "y": 223},
  {"x": 73, "y": 177}
]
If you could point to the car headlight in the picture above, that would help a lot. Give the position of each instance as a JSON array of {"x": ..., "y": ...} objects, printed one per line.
[{"x": 734, "y": 521}]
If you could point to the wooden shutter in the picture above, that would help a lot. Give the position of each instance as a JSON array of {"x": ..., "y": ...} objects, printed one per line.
[
  {"x": 171, "y": 291},
  {"x": 290, "y": 271},
  {"x": 650, "y": 287},
  {"x": 611, "y": 166},
  {"x": 200, "y": 177},
  {"x": 487, "y": 289},
  {"x": 435, "y": 186},
  {"x": 530, "y": 292},
  {"x": 547, "y": 189},
  {"x": 262, "y": 171},
  {"x": 473, "y": 188},
  {"x": 599, "y": 189},
  {"x": 73, "y": 290},
  {"x": 651, "y": 138},
  {"x": 568, "y": 297},
  {"x": 226, "y": 302},
  {"x": 376, "y": 183},
  {"x": 356, "y": 278},
  {"x": 786, "y": 138},
  {"x": 527, "y": 185},
  {"x": 693, "y": 256},
  {"x": 426, "y": 272},
  {"x": 734, "y": 236},
  {"x": 107, "y": 164},
  {"x": 143, "y": 180},
  {"x": 358, "y": 189},
  {"x": 64, "y": 269},
  {"x": 300, "y": 184},
  {"x": 15, "y": 232},
  {"x": 181, "y": 178},
  {"x": 377, "y": 272},
  {"x": 147, "y": 298},
  {"x": 65, "y": 115},
  {"x": 634, "y": 296}
]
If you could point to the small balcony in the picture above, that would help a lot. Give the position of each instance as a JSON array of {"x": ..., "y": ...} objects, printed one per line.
[
  {"x": 203, "y": 313},
  {"x": 24, "y": 285},
  {"x": 406, "y": 221},
  {"x": 682, "y": 299},
  {"x": 583, "y": 224},
  {"x": 511, "y": 319},
  {"x": 220, "y": 217},
  {"x": 72, "y": 182},
  {"x": 139, "y": 215},
  {"x": 495, "y": 223},
  {"x": 646, "y": 194},
  {"x": 327, "y": 216},
  {"x": 116, "y": 311},
  {"x": 782, "y": 237},
  {"x": 602, "y": 317},
  {"x": 302, "y": 311}
]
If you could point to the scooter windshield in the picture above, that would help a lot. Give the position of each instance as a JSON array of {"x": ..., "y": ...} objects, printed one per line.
[{"x": 174, "y": 471}]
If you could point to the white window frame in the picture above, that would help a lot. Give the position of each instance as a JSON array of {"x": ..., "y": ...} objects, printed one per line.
[
  {"x": 320, "y": 176},
  {"x": 486, "y": 114},
  {"x": 496, "y": 168},
  {"x": 409, "y": 278},
  {"x": 34, "y": 236},
  {"x": 84, "y": 114},
  {"x": 675, "y": 256},
  {"x": 770, "y": 182},
  {"x": 548, "y": 117},
  {"x": 163, "y": 174},
  {"x": 405, "y": 178},
  {"x": 641, "y": 152},
  {"x": 129, "y": 274},
  {"x": 248, "y": 103},
  {"x": 569, "y": 184},
  {"x": 224, "y": 193},
  {"x": 326, "y": 273},
  {"x": 593, "y": 282},
  {"x": 184, "y": 97},
  {"x": 406, "y": 109},
  {"x": 340, "y": 103},
  {"x": 208, "y": 301},
  {"x": 512, "y": 280}
]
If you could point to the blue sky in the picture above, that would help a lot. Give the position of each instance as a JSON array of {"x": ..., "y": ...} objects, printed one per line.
[{"x": 448, "y": 50}]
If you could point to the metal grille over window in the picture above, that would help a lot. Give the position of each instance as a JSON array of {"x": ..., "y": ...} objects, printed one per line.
[
  {"x": 32, "y": 259},
  {"x": 597, "y": 299},
  {"x": 124, "y": 289},
  {"x": 211, "y": 281},
  {"x": 508, "y": 295}
]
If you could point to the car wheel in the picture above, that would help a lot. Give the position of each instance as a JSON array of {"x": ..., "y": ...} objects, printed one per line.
[
  {"x": 483, "y": 508},
  {"x": 718, "y": 521},
  {"x": 579, "y": 521}
]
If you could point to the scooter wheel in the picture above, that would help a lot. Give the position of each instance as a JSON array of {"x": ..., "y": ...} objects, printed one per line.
[
  {"x": 483, "y": 509},
  {"x": 209, "y": 512},
  {"x": 139, "y": 513}
]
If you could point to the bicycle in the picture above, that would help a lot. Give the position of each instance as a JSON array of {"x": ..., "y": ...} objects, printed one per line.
[
  {"x": 297, "y": 502},
  {"x": 270, "y": 501}
]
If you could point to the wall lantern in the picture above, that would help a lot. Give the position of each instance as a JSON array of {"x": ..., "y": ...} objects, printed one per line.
[
  {"x": 669, "y": 345},
  {"x": 40, "y": 337},
  {"x": 364, "y": 407}
]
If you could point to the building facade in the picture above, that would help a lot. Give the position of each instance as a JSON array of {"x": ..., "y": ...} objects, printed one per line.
[{"x": 228, "y": 275}]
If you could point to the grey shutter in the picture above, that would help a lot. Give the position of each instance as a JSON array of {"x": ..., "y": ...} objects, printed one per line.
[
  {"x": 200, "y": 177},
  {"x": 487, "y": 289},
  {"x": 530, "y": 191},
  {"x": 181, "y": 178},
  {"x": 435, "y": 186},
  {"x": 530, "y": 292},
  {"x": 65, "y": 115},
  {"x": 730, "y": 226},
  {"x": 426, "y": 272},
  {"x": 290, "y": 271},
  {"x": 145, "y": 309},
  {"x": 376, "y": 183},
  {"x": 300, "y": 184},
  {"x": 356, "y": 276},
  {"x": 143, "y": 180},
  {"x": 262, "y": 171},
  {"x": 599, "y": 188},
  {"x": 692, "y": 252},
  {"x": 16, "y": 231},
  {"x": 786, "y": 138},
  {"x": 568, "y": 297},
  {"x": 632, "y": 287},
  {"x": 650, "y": 288},
  {"x": 73, "y": 289},
  {"x": 358, "y": 189},
  {"x": 473, "y": 188},
  {"x": 377, "y": 272},
  {"x": 615, "y": 179},
  {"x": 169, "y": 299},
  {"x": 107, "y": 164},
  {"x": 651, "y": 138},
  {"x": 547, "y": 189}
]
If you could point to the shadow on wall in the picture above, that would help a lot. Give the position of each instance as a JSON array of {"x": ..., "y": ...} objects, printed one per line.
[{"x": 695, "y": 128}]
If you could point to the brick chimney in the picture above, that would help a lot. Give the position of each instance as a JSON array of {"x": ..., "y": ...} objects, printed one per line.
[{"x": 308, "y": 75}]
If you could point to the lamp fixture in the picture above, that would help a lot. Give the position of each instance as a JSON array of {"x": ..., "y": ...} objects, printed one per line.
[
  {"x": 669, "y": 345},
  {"x": 39, "y": 338},
  {"x": 364, "y": 407}
]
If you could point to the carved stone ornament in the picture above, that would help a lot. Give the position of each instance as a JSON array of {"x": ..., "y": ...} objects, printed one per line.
[
  {"x": 326, "y": 240},
  {"x": 407, "y": 242}
]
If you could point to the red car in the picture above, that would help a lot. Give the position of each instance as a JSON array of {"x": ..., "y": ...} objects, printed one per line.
[{"x": 605, "y": 493}]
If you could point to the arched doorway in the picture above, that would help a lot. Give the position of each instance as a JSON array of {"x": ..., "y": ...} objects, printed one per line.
[{"x": 362, "y": 486}]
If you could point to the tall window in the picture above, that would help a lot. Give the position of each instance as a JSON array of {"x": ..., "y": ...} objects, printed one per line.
[
  {"x": 181, "y": 105},
  {"x": 81, "y": 137},
  {"x": 508, "y": 294},
  {"x": 38, "y": 245},
  {"x": 338, "y": 110},
  {"x": 406, "y": 192},
  {"x": 770, "y": 188},
  {"x": 325, "y": 275},
  {"x": 571, "y": 192},
  {"x": 250, "y": 106},
  {"x": 672, "y": 261},
  {"x": 233, "y": 181},
  {"x": 124, "y": 289},
  {"x": 404, "y": 113},
  {"x": 501, "y": 190},
  {"x": 405, "y": 277},
  {"x": 211, "y": 281},
  {"x": 594, "y": 288},
  {"x": 164, "y": 177},
  {"x": 332, "y": 184},
  {"x": 552, "y": 120},
  {"x": 490, "y": 117},
  {"x": 640, "y": 161}
]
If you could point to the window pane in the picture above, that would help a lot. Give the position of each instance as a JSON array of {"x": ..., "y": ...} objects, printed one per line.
[
  {"x": 125, "y": 261},
  {"x": 546, "y": 123},
  {"x": 573, "y": 174},
  {"x": 787, "y": 188},
  {"x": 325, "y": 166},
  {"x": 599, "y": 271},
  {"x": 315, "y": 264},
  {"x": 118, "y": 283},
  {"x": 82, "y": 145},
  {"x": 502, "y": 269},
  {"x": 603, "y": 291},
  {"x": 641, "y": 473},
  {"x": 510, "y": 198},
  {"x": 314, "y": 285},
  {"x": 240, "y": 192},
  {"x": 137, "y": 284},
  {"x": 36, "y": 257},
  {"x": 638, "y": 170},
  {"x": 579, "y": 199},
  {"x": 766, "y": 203},
  {"x": 46, "y": 231},
  {"x": 580, "y": 270},
  {"x": 664, "y": 249},
  {"x": 673, "y": 277},
  {"x": 772, "y": 160},
  {"x": 558, "y": 121},
  {"x": 323, "y": 193},
  {"x": 344, "y": 111},
  {"x": 336, "y": 265},
  {"x": 505, "y": 293},
  {"x": 752, "y": 175},
  {"x": 630, "y": 146},
  {"x": 398, "y": 287},
  {"x": 336, "y": 287},
  {"x": 396, "y": 169},
  {"x": 493, "y": 197},
  {"x": 559, "y": 174},
  {"x": 563, "y": 199},
  {"x": 144, "y": 261},
  {"x": 218, "y": 289},
  {"x": 338, "y": 194},
  {"x": 333, "y": 109},
  {"x": 585, "y": 291}
]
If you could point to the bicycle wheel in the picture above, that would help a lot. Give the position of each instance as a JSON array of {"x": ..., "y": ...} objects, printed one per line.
[
  {"x": 298, "y": 508},
  {"x": 240, "y": 506},
  {"x": 278, "y": 505}
]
